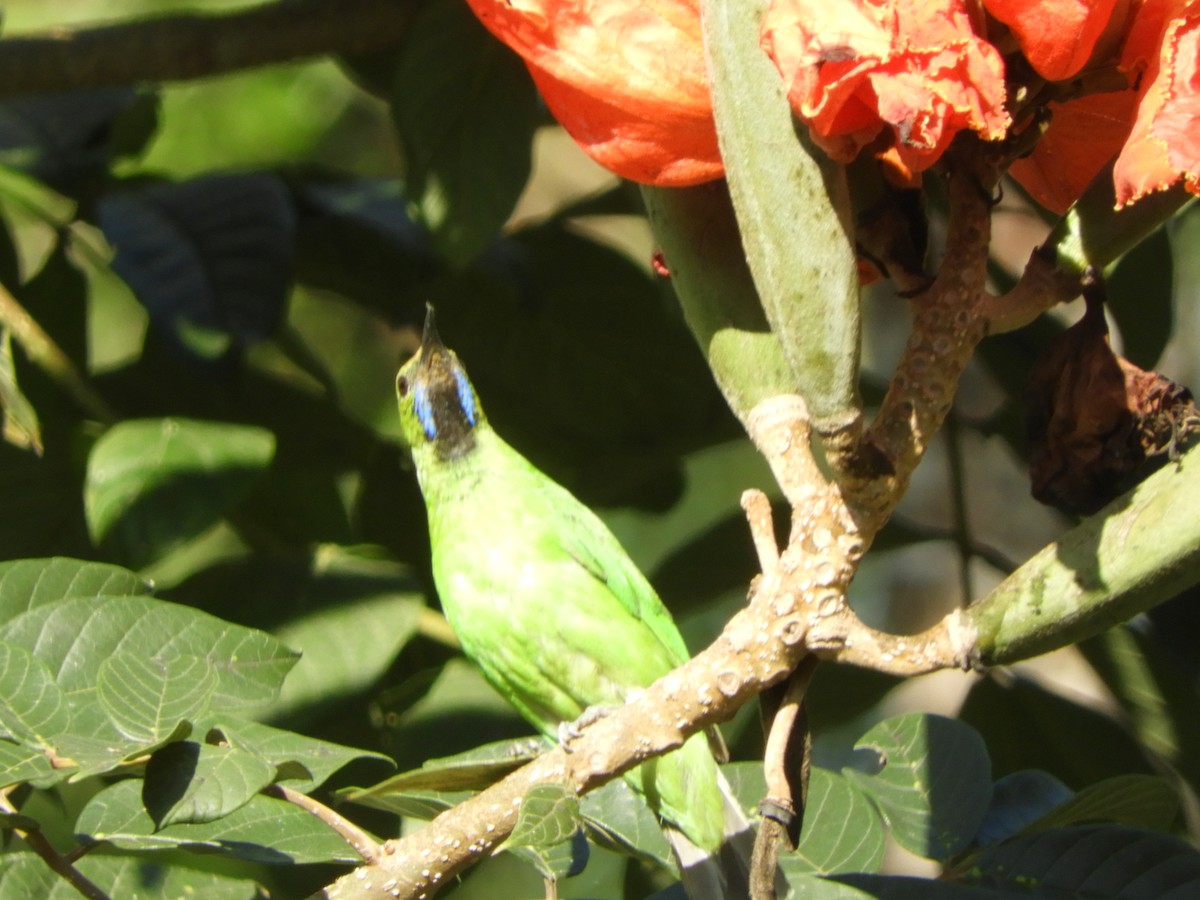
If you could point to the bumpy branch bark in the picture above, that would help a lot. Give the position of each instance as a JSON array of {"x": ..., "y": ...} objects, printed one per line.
[{"x": 184, "y": 46}]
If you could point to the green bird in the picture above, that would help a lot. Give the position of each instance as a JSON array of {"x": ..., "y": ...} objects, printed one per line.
[{"x": 540, "y": 593}]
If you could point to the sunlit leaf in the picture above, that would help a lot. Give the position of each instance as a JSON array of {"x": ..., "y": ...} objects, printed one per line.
[
  {"x": 264, "y": 830},
  {"x": 147, "y": 697},
  {"x": 842, "y": 830},
  {"x": 187, "y": 782},
  {"x": 33, "y": 708},
  {"x": 547, "y": 822}
]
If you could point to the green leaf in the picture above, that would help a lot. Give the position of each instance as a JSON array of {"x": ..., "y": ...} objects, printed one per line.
[
  {"x": 147, "y": 698},
  {"x": 21, "y": 764},
  {"x": 209, "y": 257},
  {"x": 793, "y": 207},
  {"x": 467, "y": 167},
  {"x": 618, "y": 818},
  {"x": 304, "y": 761},
  {"x": 264, "y": 830},
  {"x": 21, "y": 428},
  {"x": 1139, "y": 801},
  {"x": 32, "y": 706},
  {"x": 548, "y": 819},
  {"x": 35, "y": 214},
  {"x": 423, "y": 805},
  {"x": 153, "y": 484},
  {"x": 842, "y": 830},
  {"x": 933, "y": 784},
  {"x": 75, "y": 638},
  {"x": 1018, "y": 800},
  {"x": 470, "y": 771},
  {"x": 346, "y": 647},
  {"x": 1092, "y": 861},
  {"x": 26, "y": 583},
  {"x": 1140, "y": 293},
  {"x": 194, "y": 783},
  {"x": 172, "y": 875}
]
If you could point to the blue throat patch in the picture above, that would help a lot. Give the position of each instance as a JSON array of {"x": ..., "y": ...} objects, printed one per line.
[
  {"x": 465, "y": 398},
  {"x": 424, "y": 411}
]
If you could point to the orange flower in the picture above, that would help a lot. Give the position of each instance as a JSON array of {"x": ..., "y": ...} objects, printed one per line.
[
  {"x": 1164, "y": 146},
  {"x": 857, "y": 68},
  {"x": 1154, "y": 126},
  {"x": 626, "y": 78},
  {"x": 1056, "y": 36}
]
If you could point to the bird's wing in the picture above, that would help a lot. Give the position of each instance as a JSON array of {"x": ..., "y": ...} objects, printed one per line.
[{"x": 589, "y": 542}]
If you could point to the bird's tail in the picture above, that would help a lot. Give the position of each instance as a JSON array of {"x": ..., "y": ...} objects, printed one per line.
[{"x": 725, "y": 875}]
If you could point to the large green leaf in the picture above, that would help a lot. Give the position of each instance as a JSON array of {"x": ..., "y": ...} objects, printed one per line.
[
  {"x": 470, "y": 771},
  {"x": 172, "y": 875},
  {"x": 933, "y": 782},
  {"x": 147, "y": 697},
  {"x": 187, "y": 782},
  {"x": 33, "y": 708},
  {"x": 1093, "y": 861},
  {"x": 26, "y": 583},
  {"x": 548, "y": 820},
  {"x": 19, "y": 764},
  {"x": 153, "y": 484},
  {"x": 304, "y": 762},
  {"x": 465, "y": 110},
  {"x": 1140, "y": 801},
  {"x": 617, "y": 817},
  {"x": 842, "y": 830},
  {"x": 75, "y": 639},
  {"x": 263, "y": 830}
]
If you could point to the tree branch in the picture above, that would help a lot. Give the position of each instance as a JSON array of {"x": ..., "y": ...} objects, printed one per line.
[{"x": 194, "y": 45}]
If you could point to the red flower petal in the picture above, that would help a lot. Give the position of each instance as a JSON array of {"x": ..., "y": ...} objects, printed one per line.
[
  {"x": 1056, "y": 36},
  {"x": 853, "y": 68},
  {"x": 1164, "y": 146},
  {"x": 626, "y": 78},
  {"x": 1083, "y": 137}
]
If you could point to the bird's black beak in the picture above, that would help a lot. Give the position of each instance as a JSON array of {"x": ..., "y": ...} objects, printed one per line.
[{"x": 431, "y": 341}]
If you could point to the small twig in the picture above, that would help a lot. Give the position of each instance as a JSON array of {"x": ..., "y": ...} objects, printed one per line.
[
  {"x": 44, "y": 353},
  {"x": 762, "y": 528},
  {"x": 363, "y": 843},
  {"x": 36, "y": 841},
  {"x": 194, "y": 45},
  {"x": 786, "y": 764}
]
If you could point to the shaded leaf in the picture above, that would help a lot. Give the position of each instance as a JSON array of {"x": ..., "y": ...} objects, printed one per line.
[
  {"x": 466, "y": 169},
  {"x": 153, "y": 484},
  {"x": 1018, "y": 800},
  {"x": 187, "y": 782},
  {"x": 1139, "y": 801},
  {"x": 33, "y": 708},
  {"x": 934, "y": 781},
  {"x": 1093, "y": 861},
  {"x": 617, "y": 817},
  {"x": 209, "y": 258},
  {"x": 417, "y": 804},
  {"x": 1140, "y": 291},
  {"x": 842, "y": 830},
  {"x": 147, "y": 698},
  {"x": 35, "y": 214},
  {"x": 303, "y": 761},
  {"x": 21, "y": 428},
  {"x": 264, "y": 830}
]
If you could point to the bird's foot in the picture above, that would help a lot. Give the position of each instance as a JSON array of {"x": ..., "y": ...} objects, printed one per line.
[{"x": 569, "y": 732}]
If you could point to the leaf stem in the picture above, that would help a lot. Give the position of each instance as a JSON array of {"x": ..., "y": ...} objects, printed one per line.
[
  {"x": 38, "y": 843},
  {"x": 44, "y": 353},
  {"x": 365, "y": 845}
]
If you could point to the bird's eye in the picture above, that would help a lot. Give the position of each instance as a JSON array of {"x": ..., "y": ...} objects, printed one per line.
[{"x": 402, "y": 386}]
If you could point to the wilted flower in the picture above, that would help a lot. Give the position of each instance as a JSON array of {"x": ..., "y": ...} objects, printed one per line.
[{"x": 914, "y": 72}]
